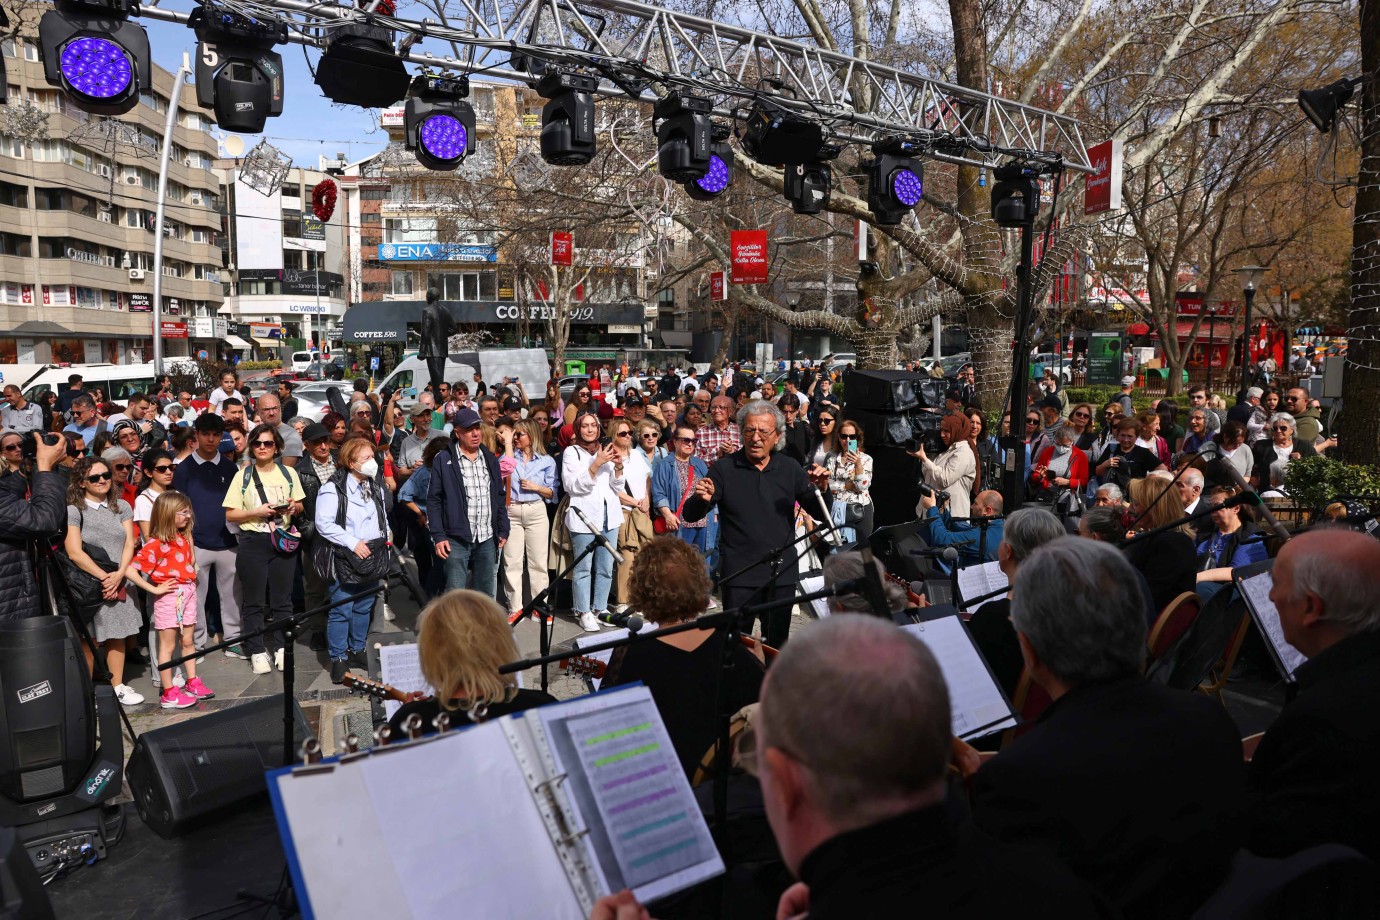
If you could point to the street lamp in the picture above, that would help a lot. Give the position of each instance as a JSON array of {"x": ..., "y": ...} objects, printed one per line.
[{"x": 1251, "y": 276}]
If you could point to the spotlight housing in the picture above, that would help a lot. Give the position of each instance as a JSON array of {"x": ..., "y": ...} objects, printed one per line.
[
  {"x": 360, "y": 68},
  {"x": 91, "y": 52},
  {"x": 808, "y": 186},
  {"x": 776, "y": 136},
  {"x": 1016, "y": 196},
  {"x": 895, "y": 182},
  {"x": 439, "y": 122},
  {"x": 719, "y": 176},
  {"x": 238, "y": 74},
  {"x": 684, "y": 135},
  {"x": 1322, "y": 105},
  {"x": 567, "y": 121}
]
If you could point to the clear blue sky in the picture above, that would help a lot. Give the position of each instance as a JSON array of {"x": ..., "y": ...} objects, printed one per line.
[{"x": 311, "y": 125}]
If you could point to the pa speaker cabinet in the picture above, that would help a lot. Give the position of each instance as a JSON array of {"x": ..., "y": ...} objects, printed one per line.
[
  {"x": 186, "y": 774},
  {"x": 881, "y": 429},
  {"x": 882, "y": 391}
]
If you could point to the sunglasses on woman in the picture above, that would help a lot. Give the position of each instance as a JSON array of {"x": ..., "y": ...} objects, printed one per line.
[
  {"x": 265, "y": 444},
  {"x": 163, "y": 468},
  {"x": 99, "y": 477}
]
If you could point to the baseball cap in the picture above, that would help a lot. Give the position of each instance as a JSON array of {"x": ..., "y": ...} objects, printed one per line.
[
  {"x": 1050, "y": 402},
  {"x": 512, "y": 404},
  {"x": 466, "y": 418},
  {"x": 632, "y": 399},
  {"x": 315, "y": 432},
  {"x": 420, "y": 410},
  {"x": 1128, "y": 381}
]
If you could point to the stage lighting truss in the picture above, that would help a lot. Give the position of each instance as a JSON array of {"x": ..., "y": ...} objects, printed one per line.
[
  {"x": 684, "y": 135},
  {"x": 895, "y": 182},
  {"x": 94, "y": 54},
  {"x": 567, "y": 121},
  {"x": 238, "y": 74},
  {"x": 439, "y": 122},
  {"x": 719, "y": 176}
]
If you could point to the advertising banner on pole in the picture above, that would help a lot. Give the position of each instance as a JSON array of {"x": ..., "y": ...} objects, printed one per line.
[
  {"x": 717, "y": 291},
  {"x": 748, "y": 249},
  {"x": 1105, "y": 351},
  {"x": 1102, "y": 191},
  {"x": 562, "y": 248}
]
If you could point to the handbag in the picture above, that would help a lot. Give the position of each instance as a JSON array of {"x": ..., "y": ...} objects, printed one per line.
[
  {"x": 352, "y": 570},
  {"x": 659, "y": 525},
  {"x": 852, "y": 513},
  {"x": 86, "y": 589},
  {"x": 1068, "y": 502}
]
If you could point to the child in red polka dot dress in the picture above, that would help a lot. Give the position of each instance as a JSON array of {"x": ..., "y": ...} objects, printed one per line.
[{"x": 168, "y": 562}]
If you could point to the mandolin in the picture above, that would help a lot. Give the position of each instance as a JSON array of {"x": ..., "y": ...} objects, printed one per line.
[{"x": 358, "y": 683}]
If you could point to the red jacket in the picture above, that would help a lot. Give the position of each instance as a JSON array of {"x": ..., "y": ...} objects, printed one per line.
[{"x": 1077, "y": 474}]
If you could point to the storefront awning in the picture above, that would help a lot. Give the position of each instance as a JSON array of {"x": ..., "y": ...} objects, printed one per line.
[
  {"x": 1219, "y": 333},
  {"x": 237, "y": 343},
  {"x": 266, "y": 343}
]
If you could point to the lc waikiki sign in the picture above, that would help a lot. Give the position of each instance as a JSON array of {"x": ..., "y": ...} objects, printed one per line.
[{"x": 1102, "y": 190}]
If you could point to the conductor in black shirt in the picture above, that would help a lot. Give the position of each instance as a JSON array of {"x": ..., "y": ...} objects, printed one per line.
[{"x": 756, "y": 490}]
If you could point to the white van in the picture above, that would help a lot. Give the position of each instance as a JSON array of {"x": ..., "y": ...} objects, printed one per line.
[
  {"x": 118, "y": 381},
  {"x": 301, "y": 360},
  {"x": 529, "y": 366}
]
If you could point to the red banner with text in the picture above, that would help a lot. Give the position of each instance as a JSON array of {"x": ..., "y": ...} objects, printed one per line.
[
  {"x": 716, "y": 287},
  {"x": 562, "y": 248},
  {"x": 748, "y": 250}
]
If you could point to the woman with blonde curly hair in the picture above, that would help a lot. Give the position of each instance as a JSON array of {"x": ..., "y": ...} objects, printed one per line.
[
  {"x": 669, "y": 585},
  {"x": 462, "y": 639}
]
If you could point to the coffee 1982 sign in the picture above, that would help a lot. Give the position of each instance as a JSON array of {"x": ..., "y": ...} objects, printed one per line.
[{"x": 541, "y": 312}]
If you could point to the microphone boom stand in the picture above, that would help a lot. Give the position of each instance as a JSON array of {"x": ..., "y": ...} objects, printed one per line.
[{"x": 540, "y": 608}]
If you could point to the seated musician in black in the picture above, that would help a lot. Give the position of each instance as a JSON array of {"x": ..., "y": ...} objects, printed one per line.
[
  {"x": 462, "y": 639},
  {"x": 669, "y": 585}
]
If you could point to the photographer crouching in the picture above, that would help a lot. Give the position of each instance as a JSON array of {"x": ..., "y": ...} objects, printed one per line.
[{"x": 21, "y": 521}]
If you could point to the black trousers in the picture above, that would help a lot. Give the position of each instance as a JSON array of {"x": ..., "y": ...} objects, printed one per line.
[
  {"x": 436, "y": 368},
  {"x": 776, "y": 624},
  {"x": 266, "y": 587}
]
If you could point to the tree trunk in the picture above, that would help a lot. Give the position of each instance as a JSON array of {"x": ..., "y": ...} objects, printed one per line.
[
  {"x": 716, "y": 364},
  {"x": 1360, "y": 427}
]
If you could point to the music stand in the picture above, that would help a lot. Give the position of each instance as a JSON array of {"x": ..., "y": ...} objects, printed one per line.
[{"x": 1253, "y": 583}]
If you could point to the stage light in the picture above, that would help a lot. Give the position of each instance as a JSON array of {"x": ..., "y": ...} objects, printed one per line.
[
  {"x": 238, "y": 74},
  {"x": 775, "y": 136},
  {"x": 895, "y": 182},
  {"x": 1322, "y": 105},
  {"x": 1016, "y": 196},
  {"x": 567, "y": 121},
  {"x": 684, "y": 135},
  {"x": 808, "y": 186},
  {"x": 719, "y": 176},
  {"x": 439, "y": 123},
  {"x": 360, "y": 68},
  {"x": 95, "y": 55}
]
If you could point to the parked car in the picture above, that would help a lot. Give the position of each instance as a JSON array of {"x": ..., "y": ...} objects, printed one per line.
[
  {"x": 312, "y": 399},
  {"x": 332, "y": 369},
  {"x": 301, "y": 360},
  {"x": 1062, "y": 366},
  {"x": 569, "y": 383}
]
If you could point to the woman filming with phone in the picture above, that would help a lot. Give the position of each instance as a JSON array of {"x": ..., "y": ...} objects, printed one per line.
[{"x": 850, "y": 479}]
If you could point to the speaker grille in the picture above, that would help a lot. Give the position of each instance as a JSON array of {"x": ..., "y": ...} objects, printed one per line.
[
  {"x": 38, "y": 745},
  {"x": 38, "y": 783},
  {"x": 221, "y": 756}
]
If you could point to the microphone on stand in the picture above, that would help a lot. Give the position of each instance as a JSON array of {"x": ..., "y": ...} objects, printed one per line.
[
  {"x": 1245, "y": 498},
  {"x": 834, "y": 537},
  {"x": 632, "y": 622},
  {"x": 1218, "y": 467},
  {"x": 599, "y": 538}
]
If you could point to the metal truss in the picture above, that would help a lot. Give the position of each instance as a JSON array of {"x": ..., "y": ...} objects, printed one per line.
[{"x": 645, "y": 51}]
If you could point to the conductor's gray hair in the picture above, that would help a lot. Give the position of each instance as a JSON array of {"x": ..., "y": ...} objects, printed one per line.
[
  {"x": 763, "y": 407},
  {"x": 863, "y": 707},
  {"x": 847, "y": 566},
  {"x": 1079, "y": 605},
  {"x": 1027, "y": 529}
]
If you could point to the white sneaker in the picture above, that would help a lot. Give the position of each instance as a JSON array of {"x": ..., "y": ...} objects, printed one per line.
[
  {"x": 713, "y": 604},
  {"x": 128, "y": 696},
  {"x": 278, "y": 659},
  {"x": 388, "y": 614},
  {"x": 620, "y": 608},
  {"x": 589, "y": 624},
  {"x": 258, "y": 662}
]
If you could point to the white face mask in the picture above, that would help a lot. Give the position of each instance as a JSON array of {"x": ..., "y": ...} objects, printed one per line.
[{"x": 369, "y": 468}]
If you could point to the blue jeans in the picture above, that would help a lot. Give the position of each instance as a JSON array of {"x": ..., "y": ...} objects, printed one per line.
[
  {"x": 710, "y": 546},
  {"x": 601, "y": 561},
  {"x": 697, "y": 537},
  {"x": 473, "y": 565},
  {"x": 347, "y": 624}
]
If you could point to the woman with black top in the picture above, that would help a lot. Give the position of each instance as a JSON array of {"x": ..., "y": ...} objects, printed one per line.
[
  {"x": 669, "y": 585},
  {"x": 1168, "y": 560},
  {"x": 462, "y": 639}
]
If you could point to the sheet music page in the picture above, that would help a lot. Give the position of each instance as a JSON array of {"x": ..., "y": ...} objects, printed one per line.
[
  {"x": 337, "y": 872},
  {"x": 400, "y": 666},
  {"x": 607, "y": 654},
  {"x": 1257, "y": 592},
  {"x": 462, "y": 832},
  {"x": 977, "y": 580},
  {"x": 976, "y": 700},
  {"x": 809, "y": 585},
  {"x": 645, "y": 829}
]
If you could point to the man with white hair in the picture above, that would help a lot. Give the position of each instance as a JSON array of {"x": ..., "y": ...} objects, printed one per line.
[
  {"x": 853, "y": 743},
  {"x": 756, "y": 489},
  {"x": 1313, "y": 774},
  {"x": 1109, "y": 495},
  {"x": 1190, "y": 487},
  {"x": 1136, "y": 787}
]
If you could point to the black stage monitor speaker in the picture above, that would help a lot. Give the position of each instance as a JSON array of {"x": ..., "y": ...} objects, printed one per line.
[
  {"x": 901, "y": 472},
  {"x": 882, "y": 391},
  {"x": 184, "y": 774}
]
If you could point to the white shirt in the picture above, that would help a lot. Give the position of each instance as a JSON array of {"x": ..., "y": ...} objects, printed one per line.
[
  {"x": 636, "y": 473},
  {"x": 218, "y": 396},
  {"x": 596, "y": 496}
]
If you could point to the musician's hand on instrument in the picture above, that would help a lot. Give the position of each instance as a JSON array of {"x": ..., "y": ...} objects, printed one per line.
[
  {"x": 794, "y": 903},
  {"x": 621, "y": 906},
  {"x": 966, "y": 758},
  {"x": 704, "y": 489}
]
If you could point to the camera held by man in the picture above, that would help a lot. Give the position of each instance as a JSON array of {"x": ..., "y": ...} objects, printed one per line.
[{"x": 41, "y": 517}]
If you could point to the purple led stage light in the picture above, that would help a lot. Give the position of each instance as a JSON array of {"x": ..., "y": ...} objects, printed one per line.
[
  {"x": 906, "y": 187},
  {"x": 444, "y": 137},
  {"x": 95, "y": 67},
  {"x": 716, "y": 180}
]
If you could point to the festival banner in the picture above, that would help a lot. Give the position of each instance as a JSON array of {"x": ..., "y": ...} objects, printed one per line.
[
  {"x": 748, "y": 250},
  {"x": 562, "y": 248}
]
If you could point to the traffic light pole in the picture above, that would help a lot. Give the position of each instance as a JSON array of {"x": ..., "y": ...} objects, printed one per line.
[{"x": 179, "y": 78}]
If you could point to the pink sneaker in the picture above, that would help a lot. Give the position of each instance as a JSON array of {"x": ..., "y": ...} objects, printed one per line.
[
  {"x": 176, "y": 698},
  {"x": 199, "y": 690}
]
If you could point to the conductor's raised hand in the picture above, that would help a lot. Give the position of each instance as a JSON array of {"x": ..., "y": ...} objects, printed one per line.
[{"x": 704, "y": 488}]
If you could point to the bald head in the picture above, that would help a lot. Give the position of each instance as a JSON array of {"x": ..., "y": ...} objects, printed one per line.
[
  {"x": 1325, "y": 584},
  {"x": 989, "y": 503}
]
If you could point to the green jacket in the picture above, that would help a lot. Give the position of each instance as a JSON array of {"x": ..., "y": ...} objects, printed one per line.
[{"x": 1309, "y": 425}]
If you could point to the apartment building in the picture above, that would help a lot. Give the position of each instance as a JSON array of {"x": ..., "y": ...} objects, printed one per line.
[{"x": 77, "y": 203}]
